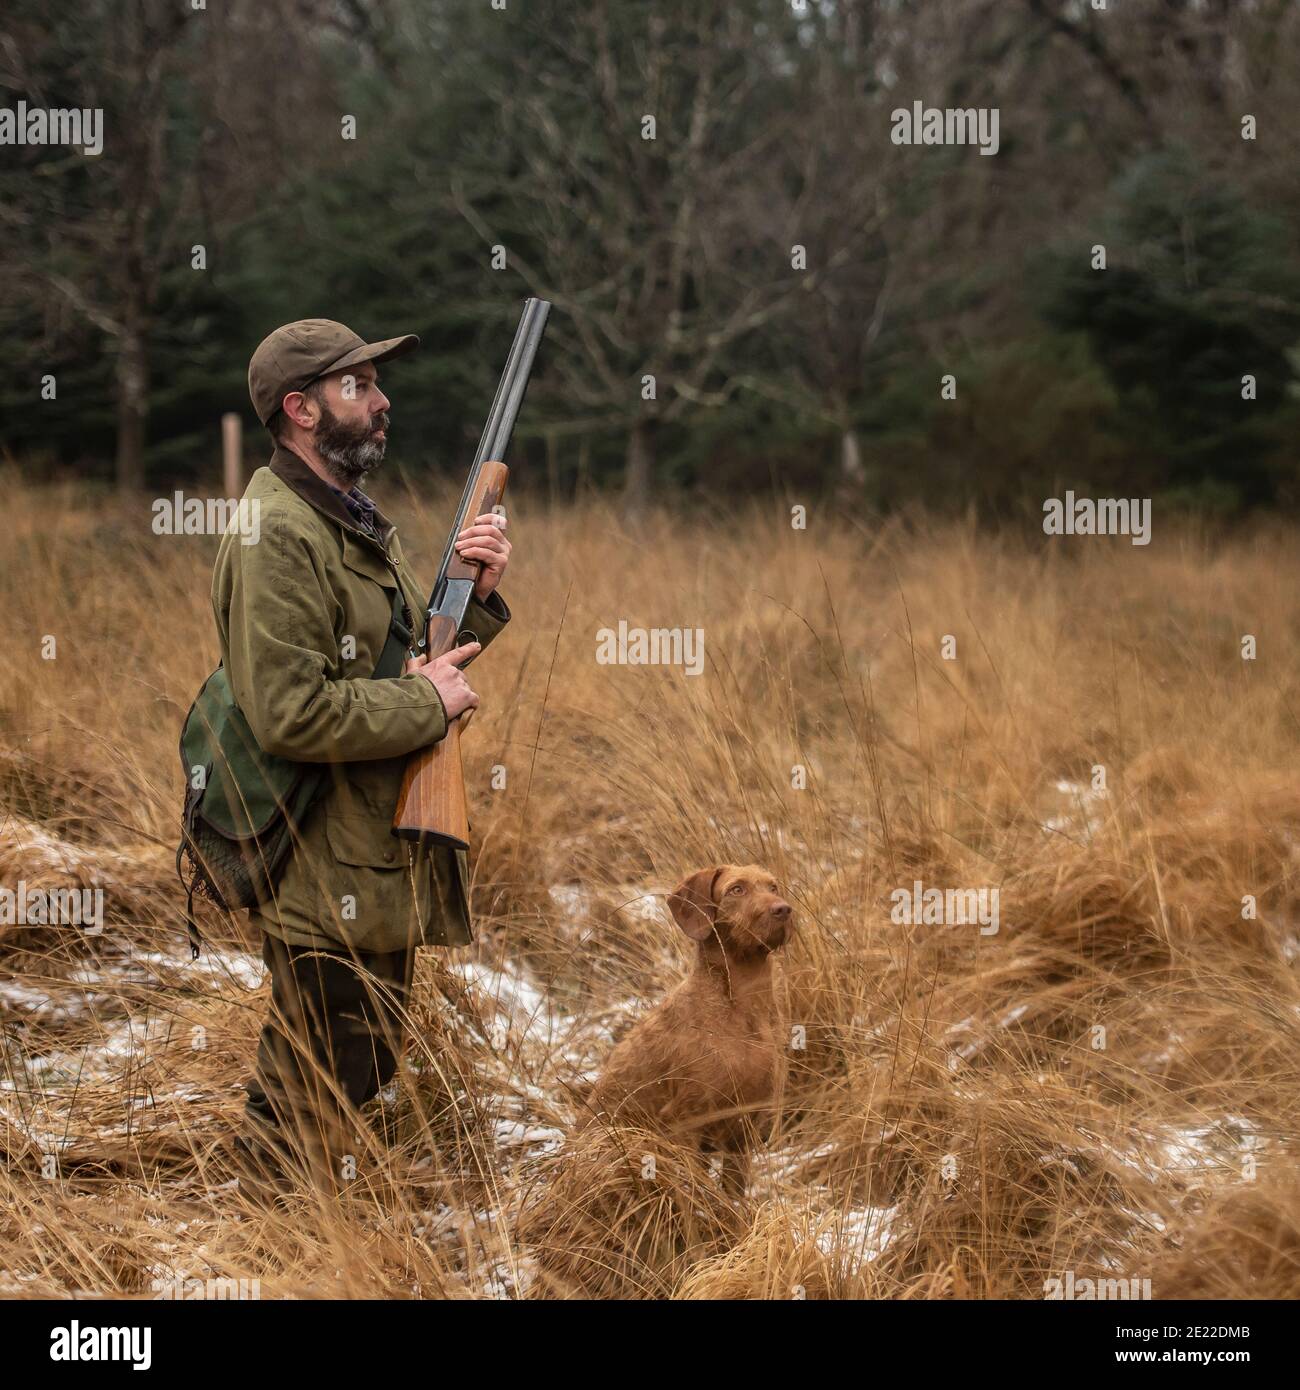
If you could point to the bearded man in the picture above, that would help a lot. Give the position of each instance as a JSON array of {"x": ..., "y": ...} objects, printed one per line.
[{"x": 303, "y": 616}]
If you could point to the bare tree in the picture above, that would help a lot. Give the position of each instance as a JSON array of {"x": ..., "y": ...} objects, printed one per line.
[
  {"x": 641, "y": 135},
  {"x": 187, "y": 140}
]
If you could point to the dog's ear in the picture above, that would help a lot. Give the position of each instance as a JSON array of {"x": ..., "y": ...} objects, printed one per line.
[{"x": 692, "y": 903}]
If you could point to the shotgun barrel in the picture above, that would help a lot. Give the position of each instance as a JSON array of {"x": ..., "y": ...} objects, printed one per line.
[
  {"x": 493, "y": 444},
  {"x": 431, "y": 806}
]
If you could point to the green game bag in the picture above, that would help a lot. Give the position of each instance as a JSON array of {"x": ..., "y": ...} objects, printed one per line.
[{"x": 240, "y": 822}]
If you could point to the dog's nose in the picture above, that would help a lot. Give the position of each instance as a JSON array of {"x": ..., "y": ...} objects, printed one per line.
[{"x": 781, "y": 911}]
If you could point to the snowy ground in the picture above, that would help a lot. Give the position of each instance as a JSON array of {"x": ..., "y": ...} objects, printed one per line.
[{"x": 521, "y": 1097}]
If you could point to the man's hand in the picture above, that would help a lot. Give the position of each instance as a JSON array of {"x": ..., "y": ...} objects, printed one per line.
[
  {"x": 486, "y": 542},
  {"x": 443, "y": 673}
]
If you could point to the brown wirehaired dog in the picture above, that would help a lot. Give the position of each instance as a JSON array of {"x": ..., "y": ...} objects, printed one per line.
[{"x": 705, "y": 1065}]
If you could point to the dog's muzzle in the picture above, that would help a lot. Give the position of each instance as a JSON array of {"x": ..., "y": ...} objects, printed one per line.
[{"x": 781, "y": 928}]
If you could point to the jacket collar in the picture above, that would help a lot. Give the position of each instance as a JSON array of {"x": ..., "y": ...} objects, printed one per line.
[{"x": 313, "y": 489}]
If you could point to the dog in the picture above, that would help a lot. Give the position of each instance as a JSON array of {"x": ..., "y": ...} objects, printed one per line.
[{"x": 705, "y": 1066}]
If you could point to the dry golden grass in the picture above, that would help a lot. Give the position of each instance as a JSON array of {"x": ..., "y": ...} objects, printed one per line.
[{"x": 956, "y": 1124}]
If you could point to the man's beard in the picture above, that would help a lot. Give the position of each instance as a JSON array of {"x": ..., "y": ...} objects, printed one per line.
[{"x": 350, "y": 450}]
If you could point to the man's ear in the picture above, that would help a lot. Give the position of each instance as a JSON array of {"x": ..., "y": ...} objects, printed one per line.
[
  {"x": 296, "y": 409},
  {"x": 693, "y": 905}
]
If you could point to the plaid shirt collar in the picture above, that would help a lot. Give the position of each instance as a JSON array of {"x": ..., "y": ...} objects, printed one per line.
[
  {"x": 342, "y": 508},
  {"x": 360, "y": 508}
]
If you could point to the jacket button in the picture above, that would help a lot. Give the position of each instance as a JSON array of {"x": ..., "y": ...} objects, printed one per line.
[{"x": 388, "y": 856}]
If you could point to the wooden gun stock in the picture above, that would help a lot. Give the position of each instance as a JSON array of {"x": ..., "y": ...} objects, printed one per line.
[{"x": 431, "y": 806}]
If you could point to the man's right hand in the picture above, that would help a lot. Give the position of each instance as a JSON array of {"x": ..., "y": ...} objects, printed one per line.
[{"x": 444, "y": 674}]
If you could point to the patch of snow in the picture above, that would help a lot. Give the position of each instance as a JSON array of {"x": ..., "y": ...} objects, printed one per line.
[
  {"x": 33, "y": 1002},
  {"x": 573, "y": 898},
  {"x": 539, "y": 1139},
  {"x": 857, "y": 1237},
  {"x": 1211, "y": 1146},
  {"x": 246, "y": 970},
  {"x": 1084, "y": 813},
  {"x": 514, "y": 996},
  {"x": 48, "y": 852},
  {"x": 511, "y": 1281}
]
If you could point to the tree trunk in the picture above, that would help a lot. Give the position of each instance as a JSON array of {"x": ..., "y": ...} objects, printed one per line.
[
  {"x": 639, "y": 469},
  {"x": 851, "y": 470},
  {"x": 583, "y": 482},
  {"x": 553, "y": 465},
  {"x": 132, "y": 400}
]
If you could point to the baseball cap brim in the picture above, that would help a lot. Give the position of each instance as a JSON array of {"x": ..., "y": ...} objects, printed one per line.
[{"x": 383, "y": 351}]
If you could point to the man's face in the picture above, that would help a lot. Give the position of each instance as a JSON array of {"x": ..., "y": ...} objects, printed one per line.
[{"x": 352, "y": 431}]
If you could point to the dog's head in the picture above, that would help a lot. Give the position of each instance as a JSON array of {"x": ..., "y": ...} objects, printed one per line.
[{"x": 739, "y": 906}]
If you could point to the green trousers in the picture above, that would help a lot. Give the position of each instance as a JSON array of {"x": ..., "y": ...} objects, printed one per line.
[{"x": 329, "y": 1044}]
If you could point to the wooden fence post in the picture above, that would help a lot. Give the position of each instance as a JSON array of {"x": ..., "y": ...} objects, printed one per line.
[{"x": 232, "y": 454}]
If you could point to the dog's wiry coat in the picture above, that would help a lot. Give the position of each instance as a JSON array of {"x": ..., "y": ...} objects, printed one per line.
[{"x": 706, "y": 1064}]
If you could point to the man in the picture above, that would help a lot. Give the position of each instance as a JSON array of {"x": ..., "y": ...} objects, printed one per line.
[{"x": 303, "y": 616}]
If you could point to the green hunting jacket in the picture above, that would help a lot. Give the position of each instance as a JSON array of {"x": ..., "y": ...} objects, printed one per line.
[{"x": 285, "y": 607}]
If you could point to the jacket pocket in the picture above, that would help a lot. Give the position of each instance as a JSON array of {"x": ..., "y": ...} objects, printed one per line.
[
  {"x": 363, "y": 558},
  {"x": 372, "y": 897},
  {"x": 363, "y": 842}
]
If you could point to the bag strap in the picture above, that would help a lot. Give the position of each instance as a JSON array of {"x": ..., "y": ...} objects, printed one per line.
[
  {"x": 191, "y": 925},
  {"x": 401, "y": 630}
]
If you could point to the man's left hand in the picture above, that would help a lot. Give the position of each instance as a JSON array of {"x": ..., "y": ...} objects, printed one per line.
[{"x": 486, "y": 542}]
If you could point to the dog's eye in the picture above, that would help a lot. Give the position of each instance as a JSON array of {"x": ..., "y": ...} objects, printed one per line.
[{"x": 738, "y": 888}]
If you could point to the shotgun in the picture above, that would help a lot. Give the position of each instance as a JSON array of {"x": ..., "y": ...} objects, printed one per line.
[{"x": 431, "y": 806}]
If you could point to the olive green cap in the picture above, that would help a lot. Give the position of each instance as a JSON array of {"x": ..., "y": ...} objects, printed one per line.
[{"x": 291, "y": 357}]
